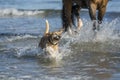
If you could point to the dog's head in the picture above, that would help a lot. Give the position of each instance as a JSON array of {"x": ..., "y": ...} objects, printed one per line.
[{"x": 53, "y": 37}]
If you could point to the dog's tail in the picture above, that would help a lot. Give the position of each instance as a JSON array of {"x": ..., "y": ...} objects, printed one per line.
[{"x": 47, "y": 27}]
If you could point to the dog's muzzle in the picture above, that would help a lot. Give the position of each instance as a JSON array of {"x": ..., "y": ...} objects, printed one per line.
[
  {"x": 57, "y": 37},
  {"x": 54, "y": 40}
]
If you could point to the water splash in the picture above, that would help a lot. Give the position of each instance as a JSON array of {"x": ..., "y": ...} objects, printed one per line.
[
  {"x": 85, "y": 40},
  {"x": 26, "y": 51},
  {"x": 107, "y": 39},
  {"x": 108, "y": 31}
]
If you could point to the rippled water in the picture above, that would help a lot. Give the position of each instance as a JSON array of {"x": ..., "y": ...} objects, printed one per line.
[{"x": 84, "y": 56}]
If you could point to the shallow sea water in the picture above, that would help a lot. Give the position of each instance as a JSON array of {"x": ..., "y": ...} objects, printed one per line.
[{"x": 84, "y": 56}]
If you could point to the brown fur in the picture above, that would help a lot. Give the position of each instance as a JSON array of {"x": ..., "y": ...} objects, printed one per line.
[
  {"x": 50, "y": 39},
  {"x": 72, "y": 8}
]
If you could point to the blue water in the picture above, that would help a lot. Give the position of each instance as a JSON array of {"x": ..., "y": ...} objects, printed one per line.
[
  {"x": 83, "y": 56},
  {"x": 30, "y": 4}
]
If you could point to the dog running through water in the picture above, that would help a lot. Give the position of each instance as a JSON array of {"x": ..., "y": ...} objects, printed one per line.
[{"x": 50, "y": 41}]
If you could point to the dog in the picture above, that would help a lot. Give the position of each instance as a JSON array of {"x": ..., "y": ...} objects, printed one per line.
[
  {"x": 71, "y": 9},
  {"x": 50, "y": 41}
]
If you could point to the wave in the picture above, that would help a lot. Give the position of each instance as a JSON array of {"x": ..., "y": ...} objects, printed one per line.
[
  {"x": 11, "y": 37},
  {"x": 22, "y": 12},
  {"x": 32, "y": 12},
  {"x": 17, "y": 34},
  {"x": 19, "y": 12}
]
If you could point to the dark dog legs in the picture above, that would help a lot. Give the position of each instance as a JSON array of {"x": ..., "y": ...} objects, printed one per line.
[
  {"x": 76, "y": 15},
  {"x": 66, "y": 14}
]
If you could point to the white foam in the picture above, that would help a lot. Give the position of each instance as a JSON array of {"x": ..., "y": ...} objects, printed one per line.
[
  {"x": 14, "y": 38},
  {"x": 64, "y": 50},
  {"x": 108, "y": 31},
  {"x": 86, "y": 35},
  {"x": 16, "y": 12}
]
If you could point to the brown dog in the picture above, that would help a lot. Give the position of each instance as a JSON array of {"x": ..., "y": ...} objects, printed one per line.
[
  {"x": 71, "y": 9},
  {"x": 49, "y": 42}
]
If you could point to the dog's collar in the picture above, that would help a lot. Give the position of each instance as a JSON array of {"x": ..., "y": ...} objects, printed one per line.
[{"x": 49, "y": 40}]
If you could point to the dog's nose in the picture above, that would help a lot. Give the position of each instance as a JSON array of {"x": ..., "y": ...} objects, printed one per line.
[{"x": 57, "y": 37}]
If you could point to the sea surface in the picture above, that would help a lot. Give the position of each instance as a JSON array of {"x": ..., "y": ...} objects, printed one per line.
[{"x": 84, "y": 56}]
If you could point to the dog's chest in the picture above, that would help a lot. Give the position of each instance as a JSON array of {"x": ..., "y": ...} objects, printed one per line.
[
  {"x": 52, "y": 47},
  {"x": 51, "y": 51}
]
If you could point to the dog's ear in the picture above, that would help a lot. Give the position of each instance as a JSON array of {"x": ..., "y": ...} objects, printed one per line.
[
  {"x": 47, "y": 28},
  {"x": 60, "y": 31}
]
